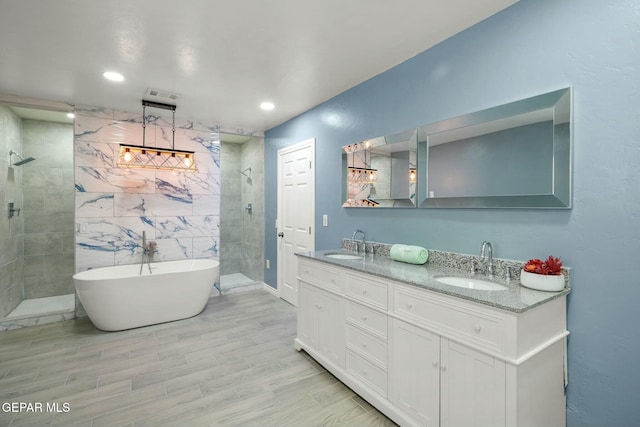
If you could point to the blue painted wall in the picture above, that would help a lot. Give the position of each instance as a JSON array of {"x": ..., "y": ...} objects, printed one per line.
[{"x": 530, "y": 48}]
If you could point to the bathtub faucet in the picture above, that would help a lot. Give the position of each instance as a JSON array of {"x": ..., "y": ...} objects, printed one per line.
[{"x": 148, "y": 250}]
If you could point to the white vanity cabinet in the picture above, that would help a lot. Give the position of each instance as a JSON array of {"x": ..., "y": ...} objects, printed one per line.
[
  {"x": 472, "y": 387},
  {"x": 321, "y": 314},
  {"x": 429, "y": 359},
  {"x": 415, "y": 380}
]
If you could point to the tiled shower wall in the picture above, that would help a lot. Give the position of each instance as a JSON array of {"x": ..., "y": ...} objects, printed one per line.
[
  {"x": 243, "y": 232},
  {"x": 48, "y": 208},
  {"x": 179, "y": 210},
  {"x": 11, "y": 230},
  {"x": 252, "y": 191}
]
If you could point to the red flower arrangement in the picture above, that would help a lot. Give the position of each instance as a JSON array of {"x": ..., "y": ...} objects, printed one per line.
[{"x": 551, "y": 266}]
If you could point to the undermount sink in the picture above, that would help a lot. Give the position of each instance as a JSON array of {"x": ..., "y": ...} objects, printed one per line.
[
  {"x": 470, "y": 283},
  {"x": 343, "y": 256}
]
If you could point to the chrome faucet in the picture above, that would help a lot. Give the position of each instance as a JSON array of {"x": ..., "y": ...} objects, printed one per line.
[
  {"x": 487, "y": 245},
  {"x": 151, "y": 249},
  {"x": 364, "y": 242},
  {"x": 148, "y": 249}
]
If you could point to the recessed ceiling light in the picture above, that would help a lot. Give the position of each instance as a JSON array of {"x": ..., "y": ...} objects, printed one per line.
[
  {"x": 70, "y": 115},
  {"x": 267, "y": 106},
  {"x": 113, "y": 76}
]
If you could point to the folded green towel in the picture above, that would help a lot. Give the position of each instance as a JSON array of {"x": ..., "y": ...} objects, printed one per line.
[{"x": 409, "y": 254}]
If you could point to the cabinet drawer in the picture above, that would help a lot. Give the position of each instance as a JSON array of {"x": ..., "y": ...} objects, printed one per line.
[
  {"x": 367, "y": 344},
  {"x": 320, "y": 275},
  {"x": 368, "y": 290},
  {"x": 456, "y": 320},
  {"x": 367, "y": 318},
  {"x": 367, "y": 372}
]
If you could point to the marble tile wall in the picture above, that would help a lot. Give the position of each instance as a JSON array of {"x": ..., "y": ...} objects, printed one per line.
[
  {"x": 231, "y": 210},
  {"x": 11, "y": 229},
  {"x": 179, "y": 210},
  {"x": 48, "y": 193}
]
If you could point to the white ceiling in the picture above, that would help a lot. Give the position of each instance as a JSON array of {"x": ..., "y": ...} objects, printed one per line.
[
  {"x": 222, "y": 57},
  {"x": 43, "y": 115}
]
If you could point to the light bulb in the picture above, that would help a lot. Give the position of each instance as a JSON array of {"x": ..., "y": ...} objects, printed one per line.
[
  {"x": 267, "y": 106},
  {"x": 113, "y": 76},
  {"x": 127, "y": 156},
  {"x": 187, "y": 161}
]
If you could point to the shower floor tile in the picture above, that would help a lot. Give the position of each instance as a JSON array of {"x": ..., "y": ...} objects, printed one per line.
[
  {"x": 44, "y": 305},
  {"x": 235, "y": 279}
]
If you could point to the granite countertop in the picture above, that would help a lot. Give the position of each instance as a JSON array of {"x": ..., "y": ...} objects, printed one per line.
[{"x": 515, "y": 298}]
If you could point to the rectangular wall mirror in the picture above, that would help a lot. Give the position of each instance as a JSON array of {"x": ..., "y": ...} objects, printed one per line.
[
  {"x": 381, "y": 172},
  {"x": 515, "y": 155}
]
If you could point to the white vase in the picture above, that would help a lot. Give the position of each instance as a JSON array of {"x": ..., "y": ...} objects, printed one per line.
[{"x": 541, "y": 282}]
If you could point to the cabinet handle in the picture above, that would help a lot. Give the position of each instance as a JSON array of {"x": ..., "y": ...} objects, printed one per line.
[
  {"x": 443, "y": 367},
  {"x": 435, "y": 363},
  {"x": 364, "y": 345},
  {"x": 478, "y": 329},
  {"x": 364, "y": 318},
  {"x": 364, "y": 291},
  {"x": 409, "y": 306}
]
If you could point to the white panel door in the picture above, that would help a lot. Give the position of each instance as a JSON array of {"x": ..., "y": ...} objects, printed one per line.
[
  {"x": 296, "y": 212},
  {"x": 331, "y": 339},
  {"x": 414, "y": 374},
  {"x": 472, "y": 387},
  {"x": 308, "y": 313}
]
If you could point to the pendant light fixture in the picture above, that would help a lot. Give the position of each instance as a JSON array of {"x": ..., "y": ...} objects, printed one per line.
[
  {"x": 364, "y": 174},
  {"x": 141, "y": 156}
]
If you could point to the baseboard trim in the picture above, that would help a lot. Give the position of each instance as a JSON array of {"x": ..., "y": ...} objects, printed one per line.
[{"x": 272, "y": 291}]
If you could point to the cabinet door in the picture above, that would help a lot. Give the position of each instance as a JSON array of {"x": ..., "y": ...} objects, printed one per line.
[
  {"x": 331, "y": 327},
  {"x": 414, "y": 374},
  {"x": 308, "y": 314},
  {"x": 473, "y": 387}
]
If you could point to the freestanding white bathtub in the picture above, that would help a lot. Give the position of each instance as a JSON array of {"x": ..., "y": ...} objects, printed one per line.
[{"x": 117, "y": 298}]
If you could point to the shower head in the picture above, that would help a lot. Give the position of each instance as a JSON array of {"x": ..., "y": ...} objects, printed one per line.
[
  {"x": 244, "y": 172},
  {"x": 22, "y": 159}
]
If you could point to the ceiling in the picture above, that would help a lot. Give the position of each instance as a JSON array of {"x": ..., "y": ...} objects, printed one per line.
[
  {"x": 42, "y": 115},
  {"x": 221, "y": 57}
]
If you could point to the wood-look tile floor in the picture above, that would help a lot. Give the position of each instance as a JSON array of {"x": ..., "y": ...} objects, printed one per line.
[{"x": 232, "y": 365}]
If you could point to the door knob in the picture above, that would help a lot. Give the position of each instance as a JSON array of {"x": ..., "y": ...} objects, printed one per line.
[{"x": 281, "y": 234}]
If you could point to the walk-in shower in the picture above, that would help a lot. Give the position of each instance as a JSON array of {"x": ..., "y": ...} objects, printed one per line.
[
  {"x": 241, "y": 213},
  {"x": 36, "y": 231}
]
